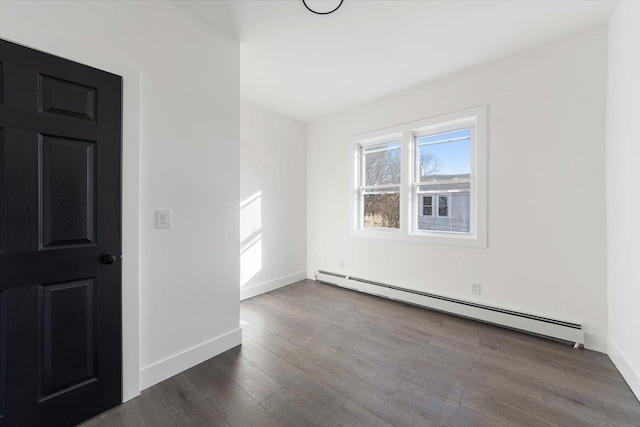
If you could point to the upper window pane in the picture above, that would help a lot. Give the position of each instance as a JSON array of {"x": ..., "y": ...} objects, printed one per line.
[
  {"x": 382, "y": 164},
  {"x": 445, "y": 156}
]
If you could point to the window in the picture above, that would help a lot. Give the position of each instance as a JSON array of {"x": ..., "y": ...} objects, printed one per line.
[
  {"x": 424, "y": 181},
  {"x": 443, "y": 168},
  {"x": 443, "y": 206},
  {"x": 427, "y": 205},
  {"x": 380, "y": 185}
]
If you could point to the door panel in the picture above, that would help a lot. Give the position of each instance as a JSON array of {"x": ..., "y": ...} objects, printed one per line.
[
  {"x": 67, "y": 98},
  {"x": 68, "y": 190},
  {"x": 60, "y": 178},
  {"x": 68, "y": 346}
]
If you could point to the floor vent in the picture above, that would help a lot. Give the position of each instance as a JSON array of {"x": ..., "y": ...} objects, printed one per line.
[{"x": 526, "y": 322}]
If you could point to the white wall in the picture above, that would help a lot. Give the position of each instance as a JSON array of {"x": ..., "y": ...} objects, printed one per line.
[
  {"x": 189, "y": 143},
  {"x": 273, "y": 179},
  {"x": 546, "y": 228},
  {"x": 623, "y": 191}
]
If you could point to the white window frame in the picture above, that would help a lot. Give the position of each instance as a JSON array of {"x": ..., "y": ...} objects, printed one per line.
[{"x": 475, "y": 118}]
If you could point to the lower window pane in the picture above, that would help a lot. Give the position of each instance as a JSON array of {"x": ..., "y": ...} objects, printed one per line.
[
  {"x": 381, "y": 210},
  {"x": 453, "y": 212}
]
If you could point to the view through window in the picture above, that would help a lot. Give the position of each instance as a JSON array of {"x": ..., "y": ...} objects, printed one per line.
[
  {"x": 380, "y": 185},
  {"x": 443, "y": 181}
]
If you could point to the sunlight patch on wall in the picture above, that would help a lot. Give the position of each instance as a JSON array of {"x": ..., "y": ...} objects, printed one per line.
[
  {"x": 250, "y": 216},
  {"x": 250, "y": 237}
]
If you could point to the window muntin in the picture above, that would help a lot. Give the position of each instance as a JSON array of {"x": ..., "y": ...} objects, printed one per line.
[
  {"x": 381, "y": 167},
  {"x": 444, "y": 170}
]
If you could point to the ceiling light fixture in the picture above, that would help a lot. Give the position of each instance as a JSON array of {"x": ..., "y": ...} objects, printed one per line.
[{"x": 321, "y": 13}]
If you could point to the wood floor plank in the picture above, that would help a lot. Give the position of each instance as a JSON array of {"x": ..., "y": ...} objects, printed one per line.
[
  {"x": 353, "y": 415},
  {"x": 359, "y": 368},
  {"x": 433, "y": 403},
  {"x": 255, "y": 382},
  {"x": 462, "y": 416},
  {"x": 381, "y": 341},
  {"x": 382, "y": 404},
  {"x": 561, "y": 357},
  {"x": 410, "y": 317},
  {"x": 293, "y": 411},
  {"x": 578, "y": 400},
  {"x": 542, "y": 409},
  {"x": 299, "y": 312},
  {"x": 446, "y": 409},
  {"x": 502, "y": 412},
  {"x": 443, "y": 352},
  {"x": 456, "y": 345},
  {"x": 308, "y": 302},
  {"x": 144, "y": 411},
  {"x": 396, "y": 364},
  {"x": 272, "y": 342},
  {"x": 228, "y": 398},
  {"x": 297, "y": 329},
  {"x": 559, "y": 378},
  {"x": 407, "y": 339},
  {"x": 186, "y": 405},
  {"x": 298, "y": 382}
]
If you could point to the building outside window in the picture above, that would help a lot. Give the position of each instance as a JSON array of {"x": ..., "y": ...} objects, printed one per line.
[{"x": 427, "y": 205}]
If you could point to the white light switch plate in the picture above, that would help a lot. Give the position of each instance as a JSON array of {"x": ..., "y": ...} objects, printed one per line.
[{"x": 163, "y": 218}]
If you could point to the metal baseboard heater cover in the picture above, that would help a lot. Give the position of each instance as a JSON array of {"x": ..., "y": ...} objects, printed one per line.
[{"x": 525, "y": 322}]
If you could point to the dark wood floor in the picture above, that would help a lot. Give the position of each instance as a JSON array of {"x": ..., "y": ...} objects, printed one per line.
[{"x": 314, "y": 354}]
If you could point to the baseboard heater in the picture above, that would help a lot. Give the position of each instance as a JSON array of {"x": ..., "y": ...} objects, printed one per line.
[{"x": 525, "y": 322}]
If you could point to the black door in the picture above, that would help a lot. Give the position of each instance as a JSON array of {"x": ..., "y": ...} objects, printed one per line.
[{"x": 60, "y": 296}]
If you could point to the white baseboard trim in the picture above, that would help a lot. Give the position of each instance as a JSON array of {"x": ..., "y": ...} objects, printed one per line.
[
  {"x": 160, "y": 371},
  {"x": 271, "y": 285},
  {"x": 595, "y": 342},
  {"x": 630, "y": 373}
]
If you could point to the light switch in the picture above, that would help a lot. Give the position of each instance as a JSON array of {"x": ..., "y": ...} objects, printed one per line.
[{"x": 163, "y": 218}]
